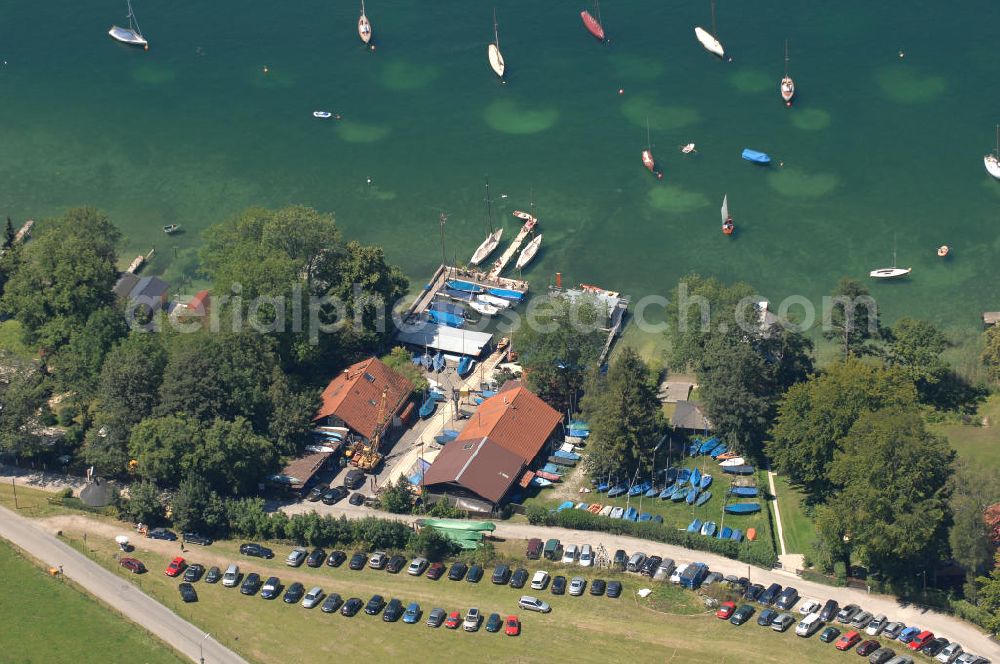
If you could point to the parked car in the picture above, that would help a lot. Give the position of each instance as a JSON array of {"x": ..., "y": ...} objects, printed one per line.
[
  {"x": 336, "y": 559},
  {"x": 313, "y": 597},
  {"x": 213, "y": 575},
  {"x": 597, "y": 587},
  {"x": 161, "y": 534},
  {"x": 768, "y": 596},
  {"x": 847, "y": 613},
  {"x": 133, "y": 565},
  {"x": 725, "y": 610},
  {"x": 175, "y": 567},
  {"x": 969, "y": 658},
  {"x": 908, "y": 634},
  {"x": 862, "y": 619},
  {"x": 188, "y": 593},
  {"x": 614, "y": 589},
  {"x": 519, "y": 578},
  {"x": 351, "y": 607},
  {"x": 810, "y": 625},
  {"x": 893, "y": 629},
  {"x": 540, "y": 580},
  {"x": 766, "y": 617},
  {"x": 693, "y": 575},
  {"x": 753, "y": 592},
  {"x": 331, "y": 603},
  {"x": 475, "y": 574},
  {"x": 357, "y": 499},
  {"x": 881, "y": 655},
  {"x": 271, "y": 588},
  {"x": 577, "y": 586},
  {"x": 512, "y": 626},
  {"x": 650, "y": 566},
  {"x": 829, "y": 611},
  {"x": 570, "y": 554},
  {"x": 316, "y": 558},
  {"x": 417, "y": 566},
  {"x": 742, "y": 614},
  {"x": 194, "y": 572},
  {"x": 680, "y": 569},
  {"x": 558, "y": 585},
  {"x": 436, "y": 617},
  {"x": 296, "y": 557},
  {"x": 787, "y": 598},
  {"x": 949, "y": 653},
  {"x": 494, "y": 623},
  {"x": 251, "y": 584},
  {"x": 866, "y": 648},
  {"x": 782, "y": 622},
  {"x": 501, "y": 575},
  {"x": 636, "y": 562},
  {"x": 458, "y": 571},
  {"x": 664, "y": 570},
  {"x": 358, "y": 561},
  {"x": 256, "y": 550},
  {"x": 534, "y": 550},
  {"x": 334, "y": 495},
  {"x": 922, "y": 639},
  {"x": 586, "y": 556},
  {"x": 454, "y": 620},
  {"x": 620, "y": 559},
  {"x": 809, "y": 606},
  {"x": 435, "y": 571},
  {"x": 232, "y": 576},
  {"x": 848, "y": 640},
  {"x": 395, "y": 564},
  {"x": 378, "y": 560},
  {"x": 315, "y": 494},
  {"x": 530, "y": 603},
  {"x": 551, "y": 550},
  {"x": 197, "y": 538},
  {"x": 412, "y": 613},
  {"x": 375, "y": 605},
  {"x": 354, "y": 478},
  {"x": 393, "y": 611},
  {"x": 471, "y": 622},
  {"x": 294, "y": 593},
  {"x": 904, "y": 659},
  {"x": 829, "y": 634},
  {"x": 712, "y": 577},
  {"x": 876, "y": 625}
]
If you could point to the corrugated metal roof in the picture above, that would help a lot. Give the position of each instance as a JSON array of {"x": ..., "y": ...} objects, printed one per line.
[
  {"x": 515, "y": 419},
  {"x": 444, "y": 338}
]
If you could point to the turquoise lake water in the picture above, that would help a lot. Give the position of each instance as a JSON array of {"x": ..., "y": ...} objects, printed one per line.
[{"x": 877, "y": 149}]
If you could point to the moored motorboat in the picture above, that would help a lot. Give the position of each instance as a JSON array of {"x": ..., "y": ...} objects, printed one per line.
[
  {"x": 528, "y": 252},
  {"x": 171, "y": 228},
  {"x": 493, "y": 50},
  {"x": 592, "y": 24},
  {"x": 487, "y": 247},
  {"x": 943, "y": 250},
  {"x": 131, "y": 35},
  {"x": 992, "y": 161},
  {"x": 526, "y": 216},
  {"x": 711, "y": 44},
  {"x": 727, "y": 219},
  {"x": 688, "y": 149},
  {"x": 323, "y": 115},
  {"x": 756, "y": 156},
  {"x": 484, "y": 308},
  {"x": 364, "y": 26}
]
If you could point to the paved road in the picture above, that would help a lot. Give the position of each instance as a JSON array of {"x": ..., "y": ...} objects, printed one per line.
[
  {"x": 116, "y": 592},
  {"x": 941, "y": 624}
]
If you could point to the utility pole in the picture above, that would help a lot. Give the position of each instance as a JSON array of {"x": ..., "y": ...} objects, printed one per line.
[
  {"x": 443, "y": 218},
  {"x": 13, "y": 485},
  {"x": 201, "y": 651}
]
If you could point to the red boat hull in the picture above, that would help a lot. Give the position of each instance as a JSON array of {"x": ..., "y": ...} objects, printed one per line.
[{"x": 593, "y": 27}]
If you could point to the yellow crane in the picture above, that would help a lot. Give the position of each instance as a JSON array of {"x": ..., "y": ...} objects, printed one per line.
[{"x": 369, "y": 456}]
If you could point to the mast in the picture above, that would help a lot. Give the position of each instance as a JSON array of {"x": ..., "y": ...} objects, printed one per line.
[
  {"x": 998, "y": 141},
  {"x": 597, "y": 8},
  {"x": 489, "y": 206},
  {"x": 496, "y": 34},
  {"x": 714, "y": 34},
  {"x": 132, "y": 22},
  {"x": 362, "y": 7},
  {"x": 786, "y": 58},
  {"x": 649, "y": 143}
]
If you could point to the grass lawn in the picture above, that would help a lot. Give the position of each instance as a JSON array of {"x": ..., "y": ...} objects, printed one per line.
[
  {"x": 47, "y": 620},
  {"x": 30, "y": 502},
  {"x": 977, "y": 445},
  {"x": 584, "y": 629},
  {"x": 796, "y": 526},
  {"x": 10, "y": 340}
]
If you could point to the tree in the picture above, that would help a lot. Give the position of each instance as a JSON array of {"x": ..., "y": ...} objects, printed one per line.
[
  {"x": 64, "y": 275},
  {"x": 974, "y": 489},
  {"x": 9, "y": 235},
  {"x": 78, "y": 364},
  {"x": 22, "y": 399},
  {"x": 853, "y": 318},
  {"x": 814, "y": 416},
  {"x": 556, "y": 343},
  {"x": 704, "y": 308},
  {"x": 130, "y": 378},
  {"x": 194, "y": 508},
  {"x": 231, "y": 458},
  {"x": 989, "y": 595},
  {"x": 105, "y": 444},
  {"x": 892, "y": 494},
  {"x": 143, "y": 504},
  {"x": 431, "y": 544},
  {"x": 396, "y": 498},
  {"x": 161, "y": 447},
  {"x": 291, "y": 414},
  {"x": 398, "y": 360},
  {"x": 991, "y": 353},
  {"x": 626, "y": 419}
]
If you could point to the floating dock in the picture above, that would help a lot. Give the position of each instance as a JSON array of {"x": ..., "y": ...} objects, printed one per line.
[
  {"x": 446, "y": 273},
  {"x": 513, "y": 249}
]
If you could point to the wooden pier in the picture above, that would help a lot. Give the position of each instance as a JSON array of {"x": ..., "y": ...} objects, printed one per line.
[
  {"x": 445, "y": 273},
  {"x": 513, "y": 249}
]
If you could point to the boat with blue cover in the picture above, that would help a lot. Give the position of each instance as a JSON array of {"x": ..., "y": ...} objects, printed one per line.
[
  {"x": 416, "y": 359},
  {"x": 445, "y": 318},
  {"x": 463, "y": 296},
  {"x": 692, "y": 495},
  {"x": 645, "y": 516},
  {"x": 570, "y": 456},
  {"x": 428, "y": 407},
  {"x": 427, "y": 360},
  {"x": 694, "y": 526},
  {"x": 680, "y": 494},
  {"x": 553, "y": 468},
  {"x": 725, "y": 533},
  {"x": 756, "y": 156},
  {"x": 438, "y": 395},
  {"x": 695, "y": 478},
  {"x": 683, "y": 476},
  {"x": 693, "y": 449},
  {"x": 706, "y": 481},
  {"x": 742, "y": 508},
  {"x": 579, "y": 424},
  {"x": 631, "y": 514},
  {"x": 602, "y": 487},
  {"x": 567, "y": 505},
  {"x": 582, "y": 506},
  {"x": 465, "y": 366},
  {"x": 614, "y": 492},
  {"x": 738, "y": 470},
  {"x": 439, "y": 361},
  {"x": 463, "y": 286},
  {"x": 580, "y": 433},
  {"x": 636, "y": 489},
  {"x": 653, "y": 491},
  {"x": 670, "y": 476},
  {"x": 448, "y": 308},
  {"x": 506, "y": 294},
  {"x": 617, "y": 513},
  {"x": 667, "y": 492},
  {"x": 703, "y": 498},
  {"x": 708, "y": 445},
  {"x": 737, "y": 535},
  {"x": 743, "y": 491},
  {"x": 721, "y": 449},
  {"x": 708, "y": 529}
]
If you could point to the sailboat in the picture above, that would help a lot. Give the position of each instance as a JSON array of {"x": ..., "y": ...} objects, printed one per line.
[
  {"x": 787, "y": 84},
  {"x": 727, "y": 219},
  {"x": 890, "y": 272},
  {"x": 647, "y": 156},
  {"x": 131, "y": 35},
  {"x": 496, "y": 60},
  {"x": 364, "y": 26},
  {"x": 708, "y": 40},
  {"x": 592, "y": 24},
  {"x": 528, "y": 252},
  {"x": 492, "y": 239},
  {"x": 992, "y": 161}
]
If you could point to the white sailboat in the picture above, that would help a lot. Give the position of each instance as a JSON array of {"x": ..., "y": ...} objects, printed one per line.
[
  {"x": 496, "y": 60},
  {"x": 992, "y": 161},
  {"x": 727, "y": 219},
  {"x": 492, "y": 238},
  {"x": 131, "y": 35},
  {"x": 528, "y": 252},
  {"x": 890, "y": 272},
  {"x": 787, "y": 84},
  {"x": 364, "y": 25},
  {"x": 484, "y": 308},
  {"x": 708, "y": 39},
  {"x": 497, "y": 302}
]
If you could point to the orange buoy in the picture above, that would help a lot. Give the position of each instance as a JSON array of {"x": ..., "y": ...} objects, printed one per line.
[{"x": 943, "y": 250}]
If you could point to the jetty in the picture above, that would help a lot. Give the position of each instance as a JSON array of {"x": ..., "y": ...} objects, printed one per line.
[
  {"x": 513, "y": 249},
  {"x": 139, "y": 261},
  {"x": 24, "y": 231},
  {"x": 616, "y": 306}
]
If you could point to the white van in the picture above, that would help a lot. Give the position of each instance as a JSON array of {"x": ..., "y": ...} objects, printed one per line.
[
  {"x": 809, "y": 625},
  {"x": 586, "y": 556},
  {"x": 232, "y": 576}
]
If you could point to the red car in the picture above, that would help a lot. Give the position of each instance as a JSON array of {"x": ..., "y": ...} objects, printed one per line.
[
  {"x": 175, "y": 567},
  {"x": 725, "y": 610},
  {"x": 435, "y": 571},
  {"x": 512, "y": 626},
  {"x": 848, "y": 641},
  {"x": 923, "y": 638},
  {"x": 454, "y": 620},
  {"x": 132, "y": 565}
]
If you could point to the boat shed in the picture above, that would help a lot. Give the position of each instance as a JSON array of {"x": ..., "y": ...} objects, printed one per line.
[
  {"x": 478, "y": 469},
  {"x": 298, "y": 475},
  {"x": 446, "y": 339}
]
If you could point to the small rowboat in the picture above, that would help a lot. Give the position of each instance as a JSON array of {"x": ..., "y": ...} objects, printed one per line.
[
  {"x": 756, "y": 156},
  {"x": 526, "y": 216},
  {"x": 688, "y": 149},
  {"x": 552, "y": 477},
  {"x": 364, "y": 26},
  {"x": 751, "y": 534},
  {"x": 322, "y": 114},
  {"x": 595, "y": 508},
  {"x": 169, "y": 229}
]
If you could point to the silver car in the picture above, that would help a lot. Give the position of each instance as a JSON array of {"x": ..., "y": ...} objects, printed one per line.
[
  {"x": 313, "y": 597},
  {"x": 949, "y": 654},
  {"x": 577, "y": 585},
  {"x": 892, "y": 630},
  {"x": 782, "y": 622},
  {"x": 296, "y": 557},
  {"x": 876, "y": 626}
]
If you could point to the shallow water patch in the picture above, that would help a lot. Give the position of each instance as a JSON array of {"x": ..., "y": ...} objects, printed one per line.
[{"x": 512, "y": 117}]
